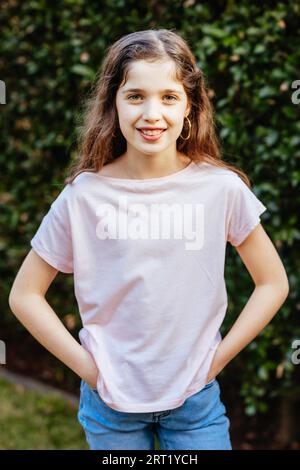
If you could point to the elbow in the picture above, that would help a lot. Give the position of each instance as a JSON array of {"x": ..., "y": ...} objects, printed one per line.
[
  {"x": 286, "y": 290},
  {"x": 283, "y": 292},
  {"x": 282, "y": 289},
  {"x": 284, "y": 286},
  {"x": 19, "y": 298},
  {"x": 12, "y": 300}
]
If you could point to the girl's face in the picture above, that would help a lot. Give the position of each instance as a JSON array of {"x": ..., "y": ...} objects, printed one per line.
[{"x": 151, "y": 98}]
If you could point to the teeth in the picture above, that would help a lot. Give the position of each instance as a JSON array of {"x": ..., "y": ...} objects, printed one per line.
[{"x": 157, "y": 132}]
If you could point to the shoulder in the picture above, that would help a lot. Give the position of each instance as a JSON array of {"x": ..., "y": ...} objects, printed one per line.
[
  {"x": 221, "y": 176},
  {"x": 85, "y": 179},
  {"x": 215, "y": 169},
  {"x": 73, "y": 191}
]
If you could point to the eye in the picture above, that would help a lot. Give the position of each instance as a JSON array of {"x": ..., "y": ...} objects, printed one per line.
[
  {"x": 170, "y": 96},
  {"x": 131, "y": 96}
]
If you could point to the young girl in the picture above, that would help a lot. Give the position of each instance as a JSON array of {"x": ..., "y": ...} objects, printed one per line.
[{"x": 142, "y": 223}]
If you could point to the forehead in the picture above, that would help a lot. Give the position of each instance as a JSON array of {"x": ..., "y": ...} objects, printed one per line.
[{"x": 152, "y": 76}]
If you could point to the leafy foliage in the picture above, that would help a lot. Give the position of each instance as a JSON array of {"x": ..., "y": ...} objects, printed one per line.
[{"x": 250, "y": 54}]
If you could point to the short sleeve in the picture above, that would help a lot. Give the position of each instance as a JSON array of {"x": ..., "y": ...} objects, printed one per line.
[
  {"x": 53, "y": 239},
  {"x": 244, "y": 213}
]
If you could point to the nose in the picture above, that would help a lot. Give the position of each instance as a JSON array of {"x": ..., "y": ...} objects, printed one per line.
[{"x": 151, "y": 111}]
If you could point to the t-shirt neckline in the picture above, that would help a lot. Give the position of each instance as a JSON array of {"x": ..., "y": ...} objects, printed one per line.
[{"x": 184, "y": 170}]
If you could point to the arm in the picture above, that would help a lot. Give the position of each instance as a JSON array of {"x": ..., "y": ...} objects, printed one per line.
[
  {"x": 271, "y": 290},
  {"x": 27, "y": 301}
]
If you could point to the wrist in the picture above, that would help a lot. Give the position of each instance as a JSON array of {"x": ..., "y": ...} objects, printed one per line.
[
  {"x": 217, "y": 364},
  {"x": 87, "y": 368}
]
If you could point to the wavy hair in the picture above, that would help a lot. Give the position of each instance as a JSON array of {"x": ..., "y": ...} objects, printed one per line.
[{"x": 100, "y": 140}]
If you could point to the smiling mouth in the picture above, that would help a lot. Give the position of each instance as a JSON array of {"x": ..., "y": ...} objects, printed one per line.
[
  {"x": 154, "y": 136},
  {"x": 151, "y": 132}
]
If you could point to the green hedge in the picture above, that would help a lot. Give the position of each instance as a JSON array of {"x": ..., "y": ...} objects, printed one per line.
[{"x": 250, "y": 54}]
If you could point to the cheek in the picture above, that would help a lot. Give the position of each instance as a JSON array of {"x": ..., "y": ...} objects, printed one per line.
[
  {"x": 127, "y": 116},
  {"x": 123, "y": 112},
  {"x": 175, "y": 118}
]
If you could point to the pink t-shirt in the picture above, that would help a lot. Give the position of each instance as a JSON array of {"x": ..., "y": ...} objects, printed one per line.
[{"x": 148, "y": 262}]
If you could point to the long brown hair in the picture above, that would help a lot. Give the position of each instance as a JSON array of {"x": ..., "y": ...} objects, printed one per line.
[{"x": 100, "y": 140}]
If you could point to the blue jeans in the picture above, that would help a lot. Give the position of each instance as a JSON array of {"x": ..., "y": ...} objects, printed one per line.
[{"x": 200, "y": 423}]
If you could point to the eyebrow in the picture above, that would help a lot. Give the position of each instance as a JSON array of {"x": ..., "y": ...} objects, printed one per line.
[{"x": 167, "y": 90}]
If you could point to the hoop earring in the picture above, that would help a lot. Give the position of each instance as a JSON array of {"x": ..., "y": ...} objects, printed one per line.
[{"x": 190, "y": 128}]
